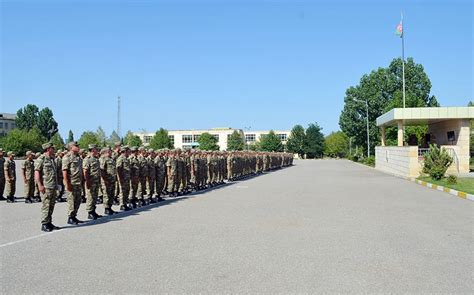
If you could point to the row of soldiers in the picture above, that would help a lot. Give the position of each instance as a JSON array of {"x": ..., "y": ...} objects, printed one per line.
[{"x": 131, "y": 176}]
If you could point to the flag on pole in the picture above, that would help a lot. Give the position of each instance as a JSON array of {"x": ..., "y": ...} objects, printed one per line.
[{"x": 399, "y": 30}]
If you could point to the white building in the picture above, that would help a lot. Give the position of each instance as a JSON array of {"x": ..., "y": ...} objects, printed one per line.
[
  {"x": 186, "y": 139},
  {"x": 7, "y": 123}
]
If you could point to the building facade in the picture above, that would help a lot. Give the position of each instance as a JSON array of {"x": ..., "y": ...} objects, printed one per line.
[
  {"x": 188, "y": 139},
  {"x": 7, "y": 123}
]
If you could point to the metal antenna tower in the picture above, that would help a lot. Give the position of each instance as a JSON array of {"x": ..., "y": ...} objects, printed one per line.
[{"x": 119, "y": 121}]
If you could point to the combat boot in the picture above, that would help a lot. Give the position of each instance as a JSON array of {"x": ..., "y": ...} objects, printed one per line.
[
  {"x": 10, "y": 199},
  {"x": 152, "y": 200},
  {"x": 93, "y": 215},
  {"x": 2, "y": 198},
  {"x": 125, "y": 208},
  {"x": 74, "y": 220},
  {"x": 109, "y": 211},
  {"x": 46, "y": 227},
  {"x": 28, "y": 200},
  {"x": 53, "y": 227}
]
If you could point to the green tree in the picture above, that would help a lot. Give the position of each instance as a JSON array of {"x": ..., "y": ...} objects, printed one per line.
[
  {"x": 88, "y": 137},
  {"x": 436, "y": 162},
  {"x": 132, "y": 140},
  {"x": 336, "y": 145},
  {"x": 27, "y": 117},
  {"x": 20, "y": 141},
  {"x": 236, "y": 141},
  {"x": 46, "y": 123},
  {"x": 255, "y": 146},
  {"x": 270, "y": 142},
  {"x": 382, "y": 89},
  {"x": 114, "y": 137},
  {"x": 314, "y": 146},
  {"x": 296, "y": 141},
  {"x": 208, "y": 142},
  {"x": 70, "y": 136},
  {"x": 161, "y": 140},
  {"x": 57, "y": 141},
  {"x": 30, "y": 116},
  {"x": 101, "y": 136}
]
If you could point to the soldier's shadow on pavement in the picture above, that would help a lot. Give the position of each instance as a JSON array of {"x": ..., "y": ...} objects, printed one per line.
[{"x": 168, "y": 201}]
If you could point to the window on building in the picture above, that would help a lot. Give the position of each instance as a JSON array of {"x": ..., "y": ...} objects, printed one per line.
[
  {"x": 250, "y": 137},
  {"x": 282, "y": 137},
  {"x": 171, "y": 137},
  {"x": 6, "y": 125},
  {"x": 216, "y": 136},
  {"x": 13, "y": 125},
  {"x": 187, "y": 138},
  {"x": 146, "y": 139},
  {"x": 1, "y": 125},
  {"x": 196, "y": 137}
]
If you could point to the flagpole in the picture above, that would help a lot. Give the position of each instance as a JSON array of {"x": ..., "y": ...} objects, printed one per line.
[{"x": 403, "y": 59}]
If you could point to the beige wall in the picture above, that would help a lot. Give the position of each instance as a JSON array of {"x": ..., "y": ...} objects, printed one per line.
[
  {"x": 461, "y": 130},
  {"x": 401, "y": 161}
]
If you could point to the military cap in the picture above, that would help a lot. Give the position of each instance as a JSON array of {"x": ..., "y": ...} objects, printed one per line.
[
  {"x": 105, "y": 149},
  {"x": 151, "y": 150},
  {"x": 117, "y": 143},
  {"x": 37, "y": 154},
  {"x": 81, "y": 151},
  {"x": 141, "y": 148},
  {"x": 10, "y": 153},
  {"x": 92, "y": 146},
  {"x": 46, "y": 146},
  {"x": 1, "y": 150},
  {"x": 124, "y": 148},
  {"x": 133, "y": 149},
  {"x": 73, "y": 143},
  {"x": 28, "y": 153}
]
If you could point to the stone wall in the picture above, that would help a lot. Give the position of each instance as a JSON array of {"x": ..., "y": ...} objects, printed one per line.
[
  {"x": 401, "y": 161},
  {"x": 439, "y": 136}
]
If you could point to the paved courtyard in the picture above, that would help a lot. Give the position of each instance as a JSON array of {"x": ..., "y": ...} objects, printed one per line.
[{"x": 319, "y": 226}]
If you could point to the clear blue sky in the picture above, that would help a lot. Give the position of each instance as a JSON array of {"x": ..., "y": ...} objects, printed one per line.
[{"x": 203, "y": 64}]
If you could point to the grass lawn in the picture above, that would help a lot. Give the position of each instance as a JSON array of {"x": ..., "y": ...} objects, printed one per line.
[{"x": 464, "y": 184}]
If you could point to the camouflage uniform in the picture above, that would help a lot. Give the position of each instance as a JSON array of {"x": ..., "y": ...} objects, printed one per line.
[
  {"x": 48, "y": 175},
  {"x": 160, "y": 174},
  {"x": 151, "y": 174},
  {"x": 10, "y": 175},
  {"x": 123, "y": 173},
  {"x": 109, "y": 174},
  {"x": 28, "y": 168},
  {"x": 142, "y": 175},
  {"x": 172, "y": 166},
  {"x": 134, "y": 174},
  {"x": 92, "y": 173},
  {"x": 72, "y": 164}
]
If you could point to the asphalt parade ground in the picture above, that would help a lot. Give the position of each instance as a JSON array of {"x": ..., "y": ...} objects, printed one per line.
[{"x": 321, "y": 226}]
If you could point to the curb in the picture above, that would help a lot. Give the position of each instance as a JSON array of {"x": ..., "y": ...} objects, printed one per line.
[{"x": 448, "y": 190}]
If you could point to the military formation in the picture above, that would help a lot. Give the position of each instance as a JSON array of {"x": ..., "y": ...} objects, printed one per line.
[{"x": 130, "y": 177}]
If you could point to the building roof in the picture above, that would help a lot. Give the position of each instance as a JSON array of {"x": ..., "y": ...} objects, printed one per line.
[
  {"x": 7, "y": 116},
  {"x": 424, "y": 116}
]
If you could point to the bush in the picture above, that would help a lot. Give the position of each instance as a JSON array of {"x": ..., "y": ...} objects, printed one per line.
[
  {"x": 452, "y": 179},
  {"x": 356, "y": 157},
  {"x": 437, "y": 162},
  {"x": 19, "y": 141},
  {"x": 369, "y": 161}
]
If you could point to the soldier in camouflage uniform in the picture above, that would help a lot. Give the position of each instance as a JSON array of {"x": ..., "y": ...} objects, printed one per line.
[
  {"x": 46, "y": 177},
  {"x": 10, "y": 176},
  {"x": 134, "y": 175},
  {"x": 91, "y": 170},
  {"x": 2, "y": 176},
  {"x": 83, "y": 154},
  {"x": 115, "y": 155},
  {"x": 108, "y": 172},
  {"x": 123, "y": 173},
  {"x": 171, "y": 171},
  {"x": 142, "y": 176},
  {"x": 151, "y": 179},
  {"x": 73, "y": 180},
  {"x": 59, "y": 165},
  {"x": 160, "y": 166},
  {"x": 37, "y": 192},
  {"x": 28, "y": 171}
]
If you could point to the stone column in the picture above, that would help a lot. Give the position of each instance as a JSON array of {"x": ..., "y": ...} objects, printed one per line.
[
  {"x": 382, "y": 139},
  {"x": 400, "y": 133}
]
